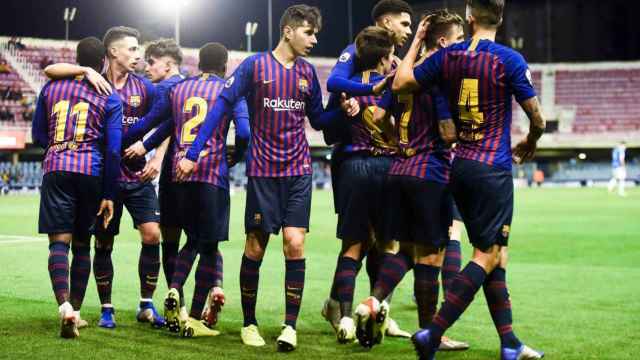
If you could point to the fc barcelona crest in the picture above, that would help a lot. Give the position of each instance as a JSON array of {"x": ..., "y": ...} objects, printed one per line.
[
  {"x": 303, "y": 85},
  {"x": 134, "y": 100}
]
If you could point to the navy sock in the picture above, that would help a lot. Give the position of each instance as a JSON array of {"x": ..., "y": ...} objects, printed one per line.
[
  {"x": 184, "y": 263},
  {"x": 372, "y": 265},
  {"x": 219, "y": 270},
  {"x": 497, "y": 295},
  {"x": 205, "y": 279},
  {"x": 169, "y": 255},
  {"x": 249, "y": 277},
  {"x": 80, "y": 272},
  {"x": 426, "y": 288},
  {"x": 103, "y": 273},
  {"x": 392, "y": 270},
  {"x": 345, "y": 282},
  {"x": 452, "y": 263},
  {"x": 294, "y": 287},
  {"x": 458, "y": 298},
  {"x": 148, "y": 269},
  {"x": 59, "y": 270}
]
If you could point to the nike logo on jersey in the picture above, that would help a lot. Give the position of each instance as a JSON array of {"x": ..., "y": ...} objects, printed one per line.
[{"x": 265, "y": 82}]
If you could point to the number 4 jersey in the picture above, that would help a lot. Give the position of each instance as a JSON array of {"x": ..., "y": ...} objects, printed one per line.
[{"x": 480, "y": 77}]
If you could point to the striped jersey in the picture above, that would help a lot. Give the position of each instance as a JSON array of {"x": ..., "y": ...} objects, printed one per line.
[
  {"x": 75, "y": 118},
  {"x": 423, "y": 153},
  {"x": 137, "y": 95},
  {"x": 480, "y": 77},
  {"x": 191, "y": 101},
  {"x": 278, "y": 99},
  {"x": 366, "y": 135}
]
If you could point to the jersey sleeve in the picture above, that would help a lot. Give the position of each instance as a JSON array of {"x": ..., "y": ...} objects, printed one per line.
[
  {"x": 340, "y": 78},
  {"x": 236, "y": 87},
  {"x": 113, "y": 142},
  {"x": 428, "y": 72},
  {"x": 314, "y": 107},
  {"x": 240, "y": 116},
  {"x": 152, "y": 90},
  {"x": 39, "y": 132},
  {"x": 160, "y": 111},
  {"x": 157, "y": 137},
  {"x": 520, "y": 78}
]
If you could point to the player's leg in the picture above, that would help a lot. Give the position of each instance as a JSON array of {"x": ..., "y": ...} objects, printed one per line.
[
  {"x": 452, "y": 254},
  {"x": 102, "y": 262},
  {"x": 56, "y": 218},
  {"x": 344, "y": 281},
  {"x": 296, "y": 207},
  {"x": 142, "y": 203},
  {"x": 622, "y": 178},
  {"x": 169, "y": 218}
]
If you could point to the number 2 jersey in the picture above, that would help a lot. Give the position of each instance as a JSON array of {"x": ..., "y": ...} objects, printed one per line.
[{"x": 480, "y": 77}]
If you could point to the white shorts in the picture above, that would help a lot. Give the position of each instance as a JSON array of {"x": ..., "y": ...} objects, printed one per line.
[{"x": 620, "y": 173}]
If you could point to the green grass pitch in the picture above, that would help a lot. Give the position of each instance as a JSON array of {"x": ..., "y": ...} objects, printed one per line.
[{"x": 574, "y": 279}]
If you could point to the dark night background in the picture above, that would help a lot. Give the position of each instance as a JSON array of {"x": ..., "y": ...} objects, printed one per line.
[{"x": 551, "y": 30}]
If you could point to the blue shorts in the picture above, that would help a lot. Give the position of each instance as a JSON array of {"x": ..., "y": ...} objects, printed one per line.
[
  {"x": 69, "y": 203},
  {"x": 484, "y": 196},
  {"x": 362, "y": 198},
  {"x": 204, "y": 210},
  {"x": 274, "y": 203},
  {"x": 420, "y": 211},
  {"x": 141, "y": 202}
]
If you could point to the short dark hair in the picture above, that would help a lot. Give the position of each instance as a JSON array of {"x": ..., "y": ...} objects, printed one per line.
[
  {"x": 440, "y": 24},
  {"x": 296, "y": 15},
  {"x": 487, "y": 12},
  {"x": 164, "y": 47},
  {"x": 384, "y": 7},
  {"x": 213, "y": 58},
  {"x": 90, "y": 52},
  {"x": 372, "y": 44},
  {"x": 119, "y": 32}
]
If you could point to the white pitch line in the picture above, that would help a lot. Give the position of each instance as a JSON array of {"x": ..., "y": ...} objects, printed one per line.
[{"x": 17, "y": 239}]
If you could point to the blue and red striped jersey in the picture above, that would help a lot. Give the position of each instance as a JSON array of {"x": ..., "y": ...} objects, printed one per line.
[
  {"x": 191, "y": 101},
  {"x": 423, "y": 153},
  {"x": 480, "y": 77},
  {"x": 278, "y": 99},
  {"x": 137, "y": 95},
  {"x": 79, "y": 128},
  {"x": 366, "y": 135}
]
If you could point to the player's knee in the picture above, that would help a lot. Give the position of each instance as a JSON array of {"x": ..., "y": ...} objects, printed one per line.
[
  {"x": 255, "y": 246},
  {"x": 208, "y": 247},
  {"x": 352, "y": 249},
  {"x": 150, "y": 235},
  {"x": 294, "y": 244},
  {"x": 489, "y": 258}
]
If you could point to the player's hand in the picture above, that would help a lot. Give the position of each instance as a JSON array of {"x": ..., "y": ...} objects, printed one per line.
[
  {"x": 184, "y": 169},
  {"x": 106, "y": 210},
  {"x": 447, "y": 129},
  {"x": 423, "y": 28},
  {"x": 134, "y": 150},
  {"x": 98, "y": 82},
  {"x": 151, "y": 169},
  {"x": 350, "y": 106},
  {"x": 524, "y": 151}
]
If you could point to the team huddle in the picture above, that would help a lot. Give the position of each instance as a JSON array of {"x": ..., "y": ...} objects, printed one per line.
[{"x": 421, "y": 147}]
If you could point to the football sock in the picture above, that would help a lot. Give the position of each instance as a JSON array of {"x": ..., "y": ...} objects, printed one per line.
[
  {"x": 458, "y": 298},
  {"x": 184, "y": 263},
  {"x": 392, "y": 270},
  {"x": 103, "y": 273},
  {"x": 497, "y": 295},
  {"x": 205, "y": 280},
  {"x": 334, "y": 291},
  {"x": 372, "y": 266},
  {"x": 345, "y": 282},
  {"x": 80, "y": 272},
  {"x": 169, "y": 255},
  {"x": 148, "y": 269},
  {"x": 59, "y": 270},
  {"x": 426, "y": 288},
  {"x": 452, "y": 263},
  {"x": 219, "y": 274},
  {"x": 294, "y": 287},
  {"x": 249, "y": 276}
]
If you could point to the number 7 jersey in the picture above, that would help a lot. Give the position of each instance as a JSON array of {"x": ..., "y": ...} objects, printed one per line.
[{"x": 480, "y": 77}]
